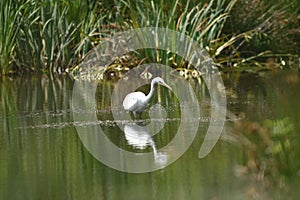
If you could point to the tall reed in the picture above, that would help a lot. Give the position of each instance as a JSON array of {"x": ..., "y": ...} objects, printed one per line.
[
  {"x": 9, "y": 29},
  {"x": 260, "y": 29},
  {"x": 51, "y": 35},
  {"x": 55, "y": 35},
  {"x": 203, "y": 22}
]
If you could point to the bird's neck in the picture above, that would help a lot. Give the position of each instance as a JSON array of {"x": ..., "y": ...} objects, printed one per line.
[{"x": 148, "y": 97}]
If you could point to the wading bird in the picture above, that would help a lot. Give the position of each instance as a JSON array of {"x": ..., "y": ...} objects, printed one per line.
[{"x": 136, "y": 102}]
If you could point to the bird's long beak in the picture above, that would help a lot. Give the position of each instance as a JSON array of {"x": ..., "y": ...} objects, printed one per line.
[{"x": 167, "y": 86}]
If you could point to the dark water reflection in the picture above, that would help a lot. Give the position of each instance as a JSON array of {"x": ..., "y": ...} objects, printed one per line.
[{"x": 42, "y": 156}]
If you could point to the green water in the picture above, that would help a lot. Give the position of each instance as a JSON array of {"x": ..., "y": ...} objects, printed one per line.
[{"x": 257, "y": 157}]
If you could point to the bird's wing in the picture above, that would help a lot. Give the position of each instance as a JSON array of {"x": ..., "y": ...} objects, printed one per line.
[{"x": 131, "y": 101}]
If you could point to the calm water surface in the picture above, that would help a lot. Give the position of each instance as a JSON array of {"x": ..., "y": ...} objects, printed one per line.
[{"x": 257, "y": 157}]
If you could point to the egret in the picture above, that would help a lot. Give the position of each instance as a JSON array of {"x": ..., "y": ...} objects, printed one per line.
[{"x": 136, "y": 102}]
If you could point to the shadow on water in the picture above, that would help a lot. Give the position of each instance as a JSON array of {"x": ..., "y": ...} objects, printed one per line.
[{"x": 42, "y": 157}]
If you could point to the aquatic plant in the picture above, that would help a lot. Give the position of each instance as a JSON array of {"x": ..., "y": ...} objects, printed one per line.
[
  {"x": 9, "y": 29},
  {"x": 201, "y": 21},
  {"x": 259, "y": 30},
  {"x": 52, "y": 36}
]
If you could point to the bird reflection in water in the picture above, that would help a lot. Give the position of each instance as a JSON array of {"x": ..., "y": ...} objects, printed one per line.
[{"x": 137, "y": 135}]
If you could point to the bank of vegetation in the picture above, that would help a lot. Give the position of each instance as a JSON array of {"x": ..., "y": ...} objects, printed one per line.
[{"x": 54, "y": 36}]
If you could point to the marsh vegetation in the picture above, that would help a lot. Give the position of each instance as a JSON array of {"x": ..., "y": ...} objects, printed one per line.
[{"x": 52, "y": 36}]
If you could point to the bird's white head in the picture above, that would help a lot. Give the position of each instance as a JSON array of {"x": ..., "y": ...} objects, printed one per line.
[{"x": 160, "y": 81}]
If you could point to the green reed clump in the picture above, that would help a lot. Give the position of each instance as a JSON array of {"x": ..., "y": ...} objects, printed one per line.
[
  {"x": 48, "y": 35},
  {"x": 51, "y": 35},
  {"x": 9, "y": 29},
  {"x": 55, "y": 34},
  {"x": 260, "y": 29},
  {"x": 202, "y": 21}
]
